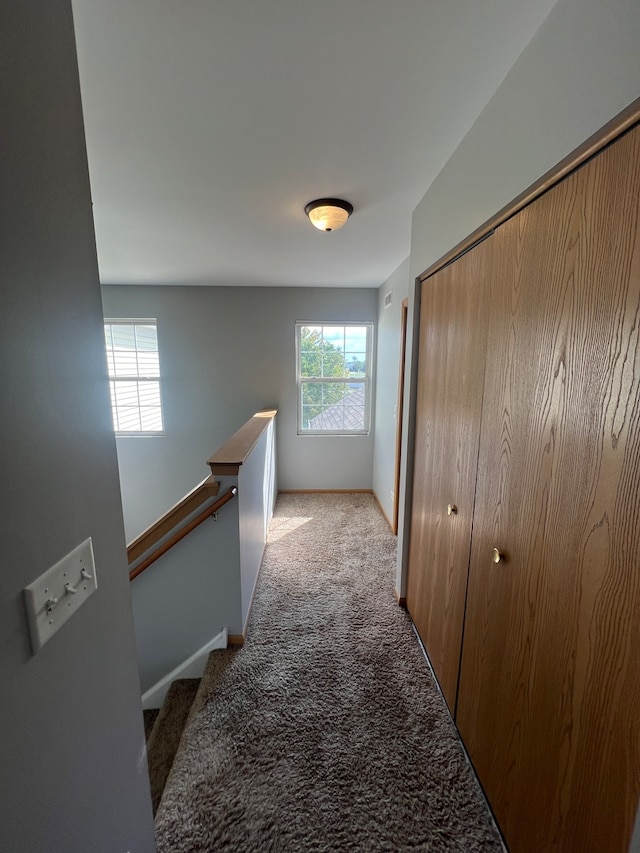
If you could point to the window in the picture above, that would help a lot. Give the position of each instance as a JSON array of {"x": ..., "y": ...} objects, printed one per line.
[
  {"x": 134, "y": 376},
  {"x": 334, "y": 373}
]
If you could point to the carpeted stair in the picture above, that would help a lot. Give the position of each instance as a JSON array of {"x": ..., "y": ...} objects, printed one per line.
[{"x": 164, "y": 729}]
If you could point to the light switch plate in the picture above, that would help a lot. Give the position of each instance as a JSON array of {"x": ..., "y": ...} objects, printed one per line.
[{"x": 56, "y": 595}]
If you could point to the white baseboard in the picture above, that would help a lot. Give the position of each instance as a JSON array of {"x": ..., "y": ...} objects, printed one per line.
[{"x": 192, "y": 667}]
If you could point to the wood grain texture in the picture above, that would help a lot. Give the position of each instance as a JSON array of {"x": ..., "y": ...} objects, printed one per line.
[
  {"x": 450, "y": 382},
  {"x": 550, "y": 680},
  {"x": 208, "y": 488},
  {"x": 228, "y": 458}
]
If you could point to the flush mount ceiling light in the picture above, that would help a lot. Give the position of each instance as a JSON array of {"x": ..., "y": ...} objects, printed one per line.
[{"x": 328, "y": 214}]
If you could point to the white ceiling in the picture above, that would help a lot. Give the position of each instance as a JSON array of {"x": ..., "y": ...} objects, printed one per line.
[{"x": 211, "y": 123}]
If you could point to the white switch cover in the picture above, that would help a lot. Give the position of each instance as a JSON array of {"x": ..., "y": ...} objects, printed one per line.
[{"x": 56, "y": 595}]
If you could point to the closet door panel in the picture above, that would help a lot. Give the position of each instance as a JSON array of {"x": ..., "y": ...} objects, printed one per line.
[
  {"x": 451, "y": 368},
  {"x": 550, "y": 676}
]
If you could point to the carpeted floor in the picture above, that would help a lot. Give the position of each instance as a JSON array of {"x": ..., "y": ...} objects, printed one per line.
[{"x": 325, "y": 732}]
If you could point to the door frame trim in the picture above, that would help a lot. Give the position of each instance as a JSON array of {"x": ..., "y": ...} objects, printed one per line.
[
  {"x": 607, "y": 134},
  {"x": 404, "y": 317}
]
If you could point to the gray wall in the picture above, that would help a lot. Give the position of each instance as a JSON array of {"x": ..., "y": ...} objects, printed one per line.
[
  {"x": 189, "y": 595},
  {"x": 72, "y": 768},
  {"x": 205, "y": 582},
  {"x": 256, "y": 498},
  {"x": 387, "y": 378},
  {"x": 226, "y": 352},
  {"x": 581, "y": 68}
]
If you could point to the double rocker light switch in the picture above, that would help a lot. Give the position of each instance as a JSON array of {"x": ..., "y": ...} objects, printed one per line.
[{"x": 56, "y": 595}]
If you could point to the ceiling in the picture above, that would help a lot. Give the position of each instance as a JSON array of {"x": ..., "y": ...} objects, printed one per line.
[{"x": 211, "y": 123}]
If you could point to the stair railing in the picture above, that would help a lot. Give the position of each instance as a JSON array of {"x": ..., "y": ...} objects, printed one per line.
[
  {"x": 204, "y": 587},
  {"x": 208, "y": 488},
  {"x": 184, "y": 531},
  {"x": 226, "y": 461}
]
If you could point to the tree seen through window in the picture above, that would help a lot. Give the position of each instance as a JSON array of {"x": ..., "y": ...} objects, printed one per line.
[{"x": 333, "y": 377}]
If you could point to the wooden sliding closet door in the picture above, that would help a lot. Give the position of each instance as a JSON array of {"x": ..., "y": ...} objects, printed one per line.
[
  {"x": 549, "y": 703},
  {"x": 450, "y": 377}
]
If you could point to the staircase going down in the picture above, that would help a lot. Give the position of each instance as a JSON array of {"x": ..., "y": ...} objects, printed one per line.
[
  {"x": 164, "y": 739},
  {"x": 164, "y": 729}
]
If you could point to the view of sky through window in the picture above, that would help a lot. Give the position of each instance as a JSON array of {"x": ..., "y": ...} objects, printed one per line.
[{"x": 333, "y": 377}]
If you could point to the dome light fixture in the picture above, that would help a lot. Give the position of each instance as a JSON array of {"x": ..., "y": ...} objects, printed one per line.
[{"x": 328, "y": 214}]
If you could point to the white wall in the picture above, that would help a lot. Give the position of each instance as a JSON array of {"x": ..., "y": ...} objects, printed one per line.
[
  {"x": 226, "y": 352},
  {"x": 581, "y": 68},
  {"x": 387, "y": 379},
  {"x": 72, "y": 769}
]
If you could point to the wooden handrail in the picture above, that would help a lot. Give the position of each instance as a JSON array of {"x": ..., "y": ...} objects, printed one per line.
[
  {"x": 203, "y": 516},
  {"x": 208, "y": 488},
  {"x": 232, "y": 454},
  {"x": 226, "y": 460}
]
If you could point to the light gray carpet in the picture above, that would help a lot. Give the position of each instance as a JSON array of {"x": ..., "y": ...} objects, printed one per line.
[
  {"x": 164, "y": 738},
  {"x": 325, "y": 732}
]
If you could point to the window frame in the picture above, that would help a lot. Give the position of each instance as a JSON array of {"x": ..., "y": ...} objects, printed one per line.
[
  {"x": 366, "y": 380},
  {"x": 138, "y": 377}
]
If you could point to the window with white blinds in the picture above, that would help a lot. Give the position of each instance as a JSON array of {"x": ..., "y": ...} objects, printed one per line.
[{"x": 134, "y": 376}]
